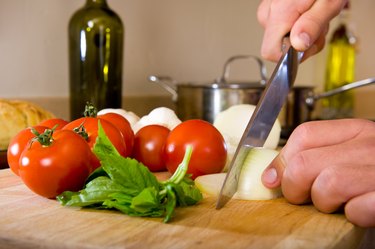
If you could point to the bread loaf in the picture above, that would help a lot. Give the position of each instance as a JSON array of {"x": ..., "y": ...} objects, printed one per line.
[{"x": 16, "y": 115}]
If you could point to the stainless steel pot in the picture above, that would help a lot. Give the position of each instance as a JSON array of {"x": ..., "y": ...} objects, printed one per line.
[
  {"x": 206, "y": 100},
  {"x": 301, "y": 103}
]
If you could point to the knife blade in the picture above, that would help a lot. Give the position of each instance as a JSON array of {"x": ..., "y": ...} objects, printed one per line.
[{"x": 264, "y": 116}]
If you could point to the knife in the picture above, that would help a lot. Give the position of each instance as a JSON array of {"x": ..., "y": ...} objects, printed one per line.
[{"x": 263, "y": 118}]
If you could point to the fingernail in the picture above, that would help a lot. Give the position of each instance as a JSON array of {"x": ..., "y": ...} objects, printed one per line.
[
  {"x": 270, "y": 176},
  {"x": 305, "y": 39}
]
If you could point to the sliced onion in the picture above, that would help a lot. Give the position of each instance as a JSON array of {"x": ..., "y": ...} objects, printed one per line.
[
  {"x": 210, "y": 184},
  {"x": 250, "y": 186}
]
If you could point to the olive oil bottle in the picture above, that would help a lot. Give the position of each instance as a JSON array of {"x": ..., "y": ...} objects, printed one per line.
[
  {"x": 340, "y": 70},
  {"x": 96, "y": 35}
]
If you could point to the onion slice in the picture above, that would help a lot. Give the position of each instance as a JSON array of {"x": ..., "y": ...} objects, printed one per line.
[{"x": 250, "y": 186}]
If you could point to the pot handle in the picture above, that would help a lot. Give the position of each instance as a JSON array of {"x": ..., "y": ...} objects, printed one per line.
[
  {"x": 167, "y": 83},
  {"x": 225, "y": 75},
  {"x": 310, "y": 100}
]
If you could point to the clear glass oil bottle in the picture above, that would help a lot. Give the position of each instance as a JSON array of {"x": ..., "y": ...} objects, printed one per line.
[
  {"x": 340, "y": 70},
  {"x": 96, "y": 35}
]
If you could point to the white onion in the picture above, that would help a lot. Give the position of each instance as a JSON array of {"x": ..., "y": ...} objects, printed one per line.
[
  {"x": 250, "y": 186},
  {"x": 232, "y": 123},
  {"x": 210, "y": 184}
]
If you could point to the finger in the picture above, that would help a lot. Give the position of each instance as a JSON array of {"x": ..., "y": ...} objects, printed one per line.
[
  {"x": 361, "y": 210},
  {"x": 281, "y": 17},
  {"x": 323, "y": 133},
  {"x": 335, "y": 186},
  {"x": 311, "y": 24},
  {"x": 308, "y": 171},
  {"x": 317, "y": 46},
  {"x": 263, "y": 11},
  {"x": 273, "y": 174}
]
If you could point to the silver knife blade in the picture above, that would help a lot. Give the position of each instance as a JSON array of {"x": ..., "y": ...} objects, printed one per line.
[{"x": 263, "y": 118}]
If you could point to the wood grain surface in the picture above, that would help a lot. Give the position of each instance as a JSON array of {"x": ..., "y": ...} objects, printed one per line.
[{"x": 30, "y": 221}]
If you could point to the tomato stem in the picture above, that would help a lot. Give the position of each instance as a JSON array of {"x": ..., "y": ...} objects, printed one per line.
[
  {"x": 90, "y": 110},
  {"x": 81, "y": 130},
  {"x": 44, "y": 138}
]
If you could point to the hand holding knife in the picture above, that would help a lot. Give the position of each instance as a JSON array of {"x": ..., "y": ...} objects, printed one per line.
[{"x": 268, "y": 108}]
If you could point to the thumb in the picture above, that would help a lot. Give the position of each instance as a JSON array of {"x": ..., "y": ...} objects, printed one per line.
[
  {"x": 313, "y": 24},
  {"x": 272, "y": 175}
]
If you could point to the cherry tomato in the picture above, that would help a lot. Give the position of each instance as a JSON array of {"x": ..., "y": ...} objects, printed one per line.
[
  {"x": 18, "y": 144},
  {"x": 149, "y": 144},
  {"x": 209, "y": 149},
  {"x": 63, "y": 165},
  {"x": 90, "y": 125},
  {"x": 52, "y": 122},
  {"x": 125, "y": 128}
]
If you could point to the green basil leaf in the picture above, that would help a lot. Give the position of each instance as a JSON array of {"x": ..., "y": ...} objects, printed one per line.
[
  {"x": 133, "y": 175},
  {"x": 95, "y": 193},
  {"x": 146, "y": 201},
  {"x": 186, "y": 192}
]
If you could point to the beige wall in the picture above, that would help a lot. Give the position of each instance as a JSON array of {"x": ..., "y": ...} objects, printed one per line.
[{"x": 186, "y": 39}]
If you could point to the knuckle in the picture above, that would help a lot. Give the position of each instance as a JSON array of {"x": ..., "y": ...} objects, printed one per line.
[
  {"x": 301, "y": 133},
  {"x": 327, "y": 193},
  {"x": 361, "y": 210},
  {"x": 296, "y": 181}
]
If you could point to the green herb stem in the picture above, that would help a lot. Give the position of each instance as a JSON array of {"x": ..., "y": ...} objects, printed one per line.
[{"x": 181, "y": 170}]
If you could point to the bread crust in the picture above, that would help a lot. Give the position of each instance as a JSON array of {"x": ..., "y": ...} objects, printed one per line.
[{"x": 16, "y": 115}]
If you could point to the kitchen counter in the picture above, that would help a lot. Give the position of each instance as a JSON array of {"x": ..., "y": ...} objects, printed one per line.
[{"x": 30, "y": 221}]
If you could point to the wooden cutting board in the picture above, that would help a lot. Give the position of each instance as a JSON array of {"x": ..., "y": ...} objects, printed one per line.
[{"x": 30, "y": 221}]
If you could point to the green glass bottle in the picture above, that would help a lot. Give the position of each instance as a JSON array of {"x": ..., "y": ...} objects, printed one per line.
[
  {"x": 96, "y": 35},
  {"x": 340, "y": 70}
]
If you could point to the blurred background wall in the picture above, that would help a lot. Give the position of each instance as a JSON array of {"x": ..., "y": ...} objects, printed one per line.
[{"x": 188, "y": 40}]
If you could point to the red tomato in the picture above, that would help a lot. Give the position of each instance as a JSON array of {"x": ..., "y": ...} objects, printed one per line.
[
  {"x": 18, "y": 144},
  {"x": 125, "y": 128},
  {"x": 52, "y": 122},
  {"x": 49, "y": 170},
  {"x": 91, "y": 127},
  {"x": 149, "y": 144},
  {"x": 209, "y": 149}
]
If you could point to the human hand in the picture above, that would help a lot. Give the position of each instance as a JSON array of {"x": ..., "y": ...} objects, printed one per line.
[
  {"x": 306, "y": 20},
  {"x": 332, "y": 164}
]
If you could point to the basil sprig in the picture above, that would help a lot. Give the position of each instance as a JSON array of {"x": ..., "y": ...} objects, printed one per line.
[{"x": 128, "y": 186}]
